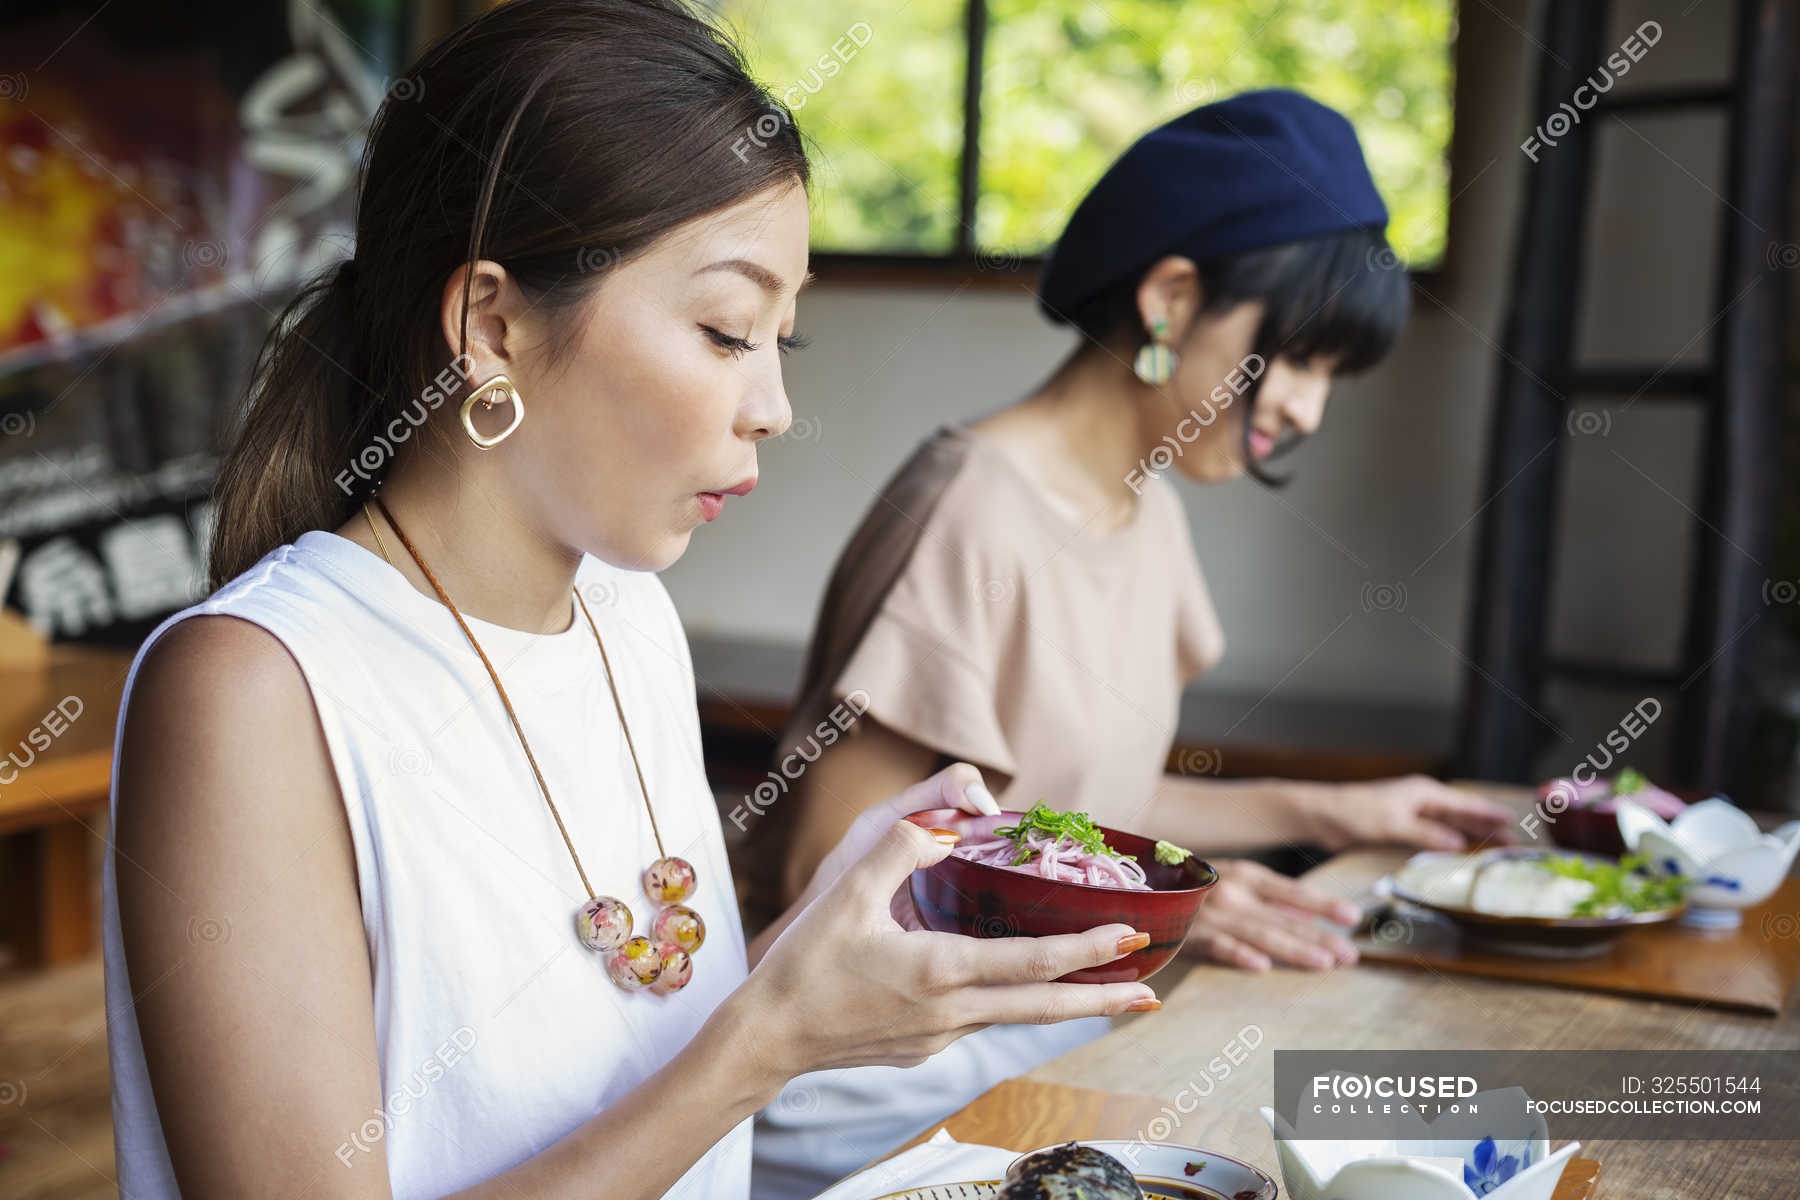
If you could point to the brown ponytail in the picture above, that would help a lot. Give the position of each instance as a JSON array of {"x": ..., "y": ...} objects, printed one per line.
[
  {"x": 276, "y": 479},
  {"x": 555, "y": 137}
]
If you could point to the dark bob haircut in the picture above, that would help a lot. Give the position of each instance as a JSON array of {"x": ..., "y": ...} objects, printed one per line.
[{"x": 1343, "y": 294}]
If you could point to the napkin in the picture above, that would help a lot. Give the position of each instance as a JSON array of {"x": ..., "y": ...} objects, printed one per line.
[{"x": 940, "y": 1159}]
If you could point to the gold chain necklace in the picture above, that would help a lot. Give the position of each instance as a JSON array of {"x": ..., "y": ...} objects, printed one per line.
[{"x": 663, "y": 961}]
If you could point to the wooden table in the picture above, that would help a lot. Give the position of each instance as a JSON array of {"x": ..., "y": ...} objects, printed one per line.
[
  {"x": 1162, "y": 1054},
  {"x": 53, "y": 812}
]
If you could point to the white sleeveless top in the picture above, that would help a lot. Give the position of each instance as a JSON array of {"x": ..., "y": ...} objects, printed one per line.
[{"x": 497, "y": 1032}]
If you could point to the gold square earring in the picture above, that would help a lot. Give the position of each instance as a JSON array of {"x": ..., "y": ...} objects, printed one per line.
[{"x": 497, "y": 390}]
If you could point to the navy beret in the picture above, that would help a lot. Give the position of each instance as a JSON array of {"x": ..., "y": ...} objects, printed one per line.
[{"x": 1255, "y": 170}]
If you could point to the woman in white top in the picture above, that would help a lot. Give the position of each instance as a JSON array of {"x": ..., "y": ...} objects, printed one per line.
[{"x": 380, "y": 798}]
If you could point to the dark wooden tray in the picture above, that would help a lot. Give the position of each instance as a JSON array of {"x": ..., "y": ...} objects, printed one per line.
[{"x": 1751, "y": 968}]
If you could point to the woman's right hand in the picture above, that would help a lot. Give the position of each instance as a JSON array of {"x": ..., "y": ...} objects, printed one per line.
[
  {"x": 1415, "y": 810},
  {"x": 846, "y": 985}
]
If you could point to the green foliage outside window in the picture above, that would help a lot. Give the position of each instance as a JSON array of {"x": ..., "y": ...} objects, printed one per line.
[{"x": 1066, "y": 86}]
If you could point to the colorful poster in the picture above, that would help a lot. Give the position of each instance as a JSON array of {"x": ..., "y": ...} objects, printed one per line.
[{"x": 164, "y": 184}]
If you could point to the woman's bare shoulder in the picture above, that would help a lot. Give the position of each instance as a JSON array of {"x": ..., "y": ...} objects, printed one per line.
[
  {"x": 219, "y": 709},
  {"x": 212, "y": 674}
]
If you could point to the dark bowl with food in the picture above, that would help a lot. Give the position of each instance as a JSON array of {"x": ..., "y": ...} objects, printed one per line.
[
  {"x": 1585, "y": 816},
  {"x": 960, "y": 896},
  {"x": 1157, "y": 1170}
]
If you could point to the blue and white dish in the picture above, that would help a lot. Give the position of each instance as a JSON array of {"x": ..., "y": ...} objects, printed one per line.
[
  {"x": 1451, "y": 1158},
  {"x": 1732, "y": 864}
]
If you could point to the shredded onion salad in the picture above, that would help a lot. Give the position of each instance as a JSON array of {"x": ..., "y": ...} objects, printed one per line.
[{"x": 1064, "y": 846}]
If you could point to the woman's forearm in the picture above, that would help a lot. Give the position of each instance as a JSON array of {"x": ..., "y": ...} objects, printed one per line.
[
  {"x": 1216, "y": 816},
  {"x": 643, "y": 1142}
]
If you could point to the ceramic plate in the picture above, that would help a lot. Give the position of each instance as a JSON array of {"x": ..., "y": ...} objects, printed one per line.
[
  {"x": 949, "y": 1191},
  {"x": 1535, "y": 937}
]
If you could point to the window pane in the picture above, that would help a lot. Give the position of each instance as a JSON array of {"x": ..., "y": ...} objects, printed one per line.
[
  {"x": 1069, "y": 84},
  {"x": 882, "y": 119}
]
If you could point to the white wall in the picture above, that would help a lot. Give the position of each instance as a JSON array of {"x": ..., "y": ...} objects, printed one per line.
[{"x": 1387, "y": 492}]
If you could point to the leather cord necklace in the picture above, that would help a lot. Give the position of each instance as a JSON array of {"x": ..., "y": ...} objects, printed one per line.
[{"x": 662, "y": 961}]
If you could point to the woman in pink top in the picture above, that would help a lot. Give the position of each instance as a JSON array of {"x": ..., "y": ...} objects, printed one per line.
[{"x": 1025, "y": 596}]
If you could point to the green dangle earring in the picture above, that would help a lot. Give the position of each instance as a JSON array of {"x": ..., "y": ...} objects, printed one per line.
[{"x": 1155, "y": 361}]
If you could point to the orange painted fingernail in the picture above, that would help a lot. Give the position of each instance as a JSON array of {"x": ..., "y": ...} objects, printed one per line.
[
  {"x": 947, "y": 836},
  {"x": 1133, "y": 941},
  {"x": 1147, "y": 1004}
]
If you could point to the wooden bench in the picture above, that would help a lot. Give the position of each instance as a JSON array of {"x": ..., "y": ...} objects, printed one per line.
[
  {"x": 53, "y": 812},
  {"x": 746, "y": 688}
]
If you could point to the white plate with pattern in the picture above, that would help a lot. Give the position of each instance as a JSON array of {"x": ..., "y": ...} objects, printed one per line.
[{"x": 1243, "y": 1181}]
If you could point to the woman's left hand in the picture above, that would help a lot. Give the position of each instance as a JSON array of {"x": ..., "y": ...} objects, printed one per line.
[{"x": 1415, "y": 810}]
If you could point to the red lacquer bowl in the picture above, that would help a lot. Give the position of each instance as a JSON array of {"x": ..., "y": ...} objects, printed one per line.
[
  {"x": 1585, "y": 817},
  {"x": 959, "y": 896}
]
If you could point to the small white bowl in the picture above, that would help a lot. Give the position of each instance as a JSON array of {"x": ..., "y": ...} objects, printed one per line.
[
  {"x": 1732, "y": 864},
  {"x": 1440, "y": 1160}
]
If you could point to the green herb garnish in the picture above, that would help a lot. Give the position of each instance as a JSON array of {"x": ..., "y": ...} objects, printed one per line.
[
  {"x": 1171, "y": 855},
  {"x": 1629, "y": 780},
  {"x": 1618, "y": 885},
  {"x": 1078, "y": 827}
]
